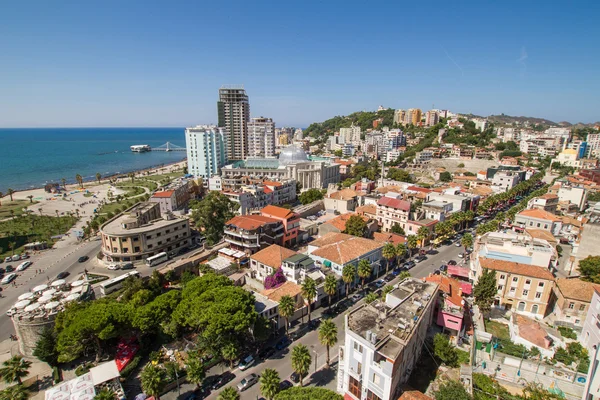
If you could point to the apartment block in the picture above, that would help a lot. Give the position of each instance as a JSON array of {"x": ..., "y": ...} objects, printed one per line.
[
  {"x": 590, "y": 334},
  {"x": 206, "y": 152},
  {"x": 432, "y": 117},
  {"x": 233, "y": 110},
  {"x": 539, "y": 219},
  {"x": 251, "y": 233},
  {"x": 384, "y": 340},
  {"x": 572, "y": 299},
  {"x": 289, "y": 219},
  {"x": 261, "y": 137},
  {"x": 548, "y": 202},
  {"x": 392, "y": 211}
]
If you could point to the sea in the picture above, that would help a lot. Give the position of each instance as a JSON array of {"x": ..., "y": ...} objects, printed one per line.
[{"x": 32, "y": 157}]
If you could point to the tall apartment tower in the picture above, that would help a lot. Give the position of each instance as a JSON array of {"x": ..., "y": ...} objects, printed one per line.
[
  {"x": 205, "y": 146},
  {"x": 413, "y": 116},
  {"x": 399, "y": 116},
  {"x": 261, "y": 137},
  {"x": 432, "y": 117},
  {"x": 234, "y": 113}
]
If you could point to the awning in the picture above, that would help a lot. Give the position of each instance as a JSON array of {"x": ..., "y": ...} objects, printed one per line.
[
  {"x": 455, "y": 270},
  {"x": 327, "y": 263},
  {"x": 466, "y": 288}
]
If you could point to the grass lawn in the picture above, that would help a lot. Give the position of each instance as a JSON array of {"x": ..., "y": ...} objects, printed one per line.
[
  {"x": 132, "y": 189},
  {"x": 16, "y": 206},
  {"x": 497, "y": 329},
  {"x": 170, "y": 176}
]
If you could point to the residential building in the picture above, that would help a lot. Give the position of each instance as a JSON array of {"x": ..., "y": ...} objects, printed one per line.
[
  {"x": 450, "y": 307},
  {"x": 437, "y": 210},
  {"x": 591, "y": 174},
  {"x": 297, "y": 267},
  {"x": 289, "y": 219},
  {"x": 592, "y": 386},
  {"x": 288, "y": 289},
  {"x": 206, "y": 152},
  {"x": 593, "y": 145},
  {"x": 572, "y": 298},
  {"x": 261, "y": 137},
  {"x": 142, "y": 231},
  {"x": 590, "y": 334},
  {"x": 268, "y": 260},
  {"x": 568, "y": 158},
  {"x": 538, "y": 219},
  {"x": 503, "y": 181},
  {"x": 413, "y": 116},
  {"x": 343, "y": 201},
  {"x": 251, "y": 233},
  {"x": 351, "y": 135},
  {"x": 461, "y": 201},
  {"x": 392, "y": 211},
  {"x": 530, "y": 333},
  {"x": 233, "y": 110},
  {"x": 389, "y": 237},
  {"x": 522, "y": 288},
  {"x": 338, "y": 224},
  {"x": 480, "y": 124},
  {"x": 268, "y": 309},
  {"x": 573, "y": 194},
  {"x": 384, "y": 340},
  {"x": 547, "y": 202},
  {"x": 399, "y": 117},
  {"x": 175, "y": 196},
  {"x": 432, "y": 117},
  {"x": 422, "y": 157}
]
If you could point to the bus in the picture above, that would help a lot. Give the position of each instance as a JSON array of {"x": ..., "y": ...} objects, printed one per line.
[
  {"x": 115, "y": 284},
  {"x": 157, "y": 259}
]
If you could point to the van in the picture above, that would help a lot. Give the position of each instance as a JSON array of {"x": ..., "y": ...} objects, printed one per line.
[
  {"x": 8, "y": 279},
  {"x": 24, "y": 265}
]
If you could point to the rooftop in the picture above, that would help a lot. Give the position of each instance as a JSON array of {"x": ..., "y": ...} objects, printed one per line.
[
  {"x": 532, "y": 331},
  {"x": 278, "y": 212},
  {"x": 341, "y": 248},
  {"x": 273, "y": 255},
  {"x": 340, "y": 221},
  {"x": 367, "y": 209},
  {"x": 576, "y": 289},
  {"x": 451, "y": 287},
  {"x": 394, "y": 203},
  {"x": 516, "y": 268},
  {"x": 287, "y": 289},
  {"x": 389, "y": 238},
  {"x": 344, "y": 194},
  {"x": 250, "y": 222},
  {"x": 539, "y": 214},
  {"x": 164, "y": 194}
]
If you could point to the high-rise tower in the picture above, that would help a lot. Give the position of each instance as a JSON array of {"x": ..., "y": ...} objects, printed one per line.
[{"x": 234, "y": 113}]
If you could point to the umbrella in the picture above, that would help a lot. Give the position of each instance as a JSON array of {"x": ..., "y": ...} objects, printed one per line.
[
  {"x": 44, "y": 299},
  {"x": 51, "y": 305},
  {"x": 40, "y": 288},
  {"x": 77, "y": 283},
  {"x": 32, "y": 307},
  {"x": 58, "y": 283},
  {"x": 25, "y": 296},
  {"x": 72, "y": 296},
  {"x": 22, "y": 304},
  {"x": 49, "y": 292},
  {"x": 77, "y": 289}
]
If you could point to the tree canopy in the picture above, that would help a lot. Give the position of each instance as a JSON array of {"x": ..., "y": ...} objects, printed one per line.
[
  {"x": 398, "y": 174},
  {"x": 356, "y": 226},
  {"x": 308, "y": 393},
  {"x": 452, "y": 390},
  {"x": 211, "y": 214},
  {"x": 446, "y": 176},
  {"x": 310, "y": 195},
  {"x": 589, "y": 268},
  {"x": 485, "y": 290}
]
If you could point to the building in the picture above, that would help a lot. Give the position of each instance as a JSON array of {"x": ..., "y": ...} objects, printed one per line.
[
  {"x": 297, "y": 267},
  {"x": 548, "y": 202},
  {"x": 338, "y": 224},
  {"x": 392, "y": 211},
  {"x": 450, "y": 308},
  {"x": 432, "y": 117},
  {"x": 590, "y": 334},
  {"x": 268, "y": 260},
  {"x": 413, "y": 116},
  {"x": 572, "y": 298},
  {"x": 253, "y": 197},
  {"x": 251, "y": 233},
  {"x": 233, "y": 110},
  {"x": 383, "y": 341},
  {"x": 289, "y": 219},
  {"x": 351, "y": 135},
  {"x": 288, "y": 289},
  {"x": 568, "y": 158},
  {"x": 503, "y": 181},
  {"x": 591, "y": 174},
  {"x": 437, "y": 210},
  {"x": 142, "y": 231},
  {"x": 422, "y": 157},
  {"x": 261, "y": 137},
  {"x": 399, "y": 117},
  {"x": 175, "y": 197},
  {"x": 573, "y": 194},
  {"x": 522, "y": 288},
  {"x": 343, "y": 201},
  {"x": 206, "y": 152},
  {"x": 592, "y": 386},
  {"x": 538, "y": 219}
]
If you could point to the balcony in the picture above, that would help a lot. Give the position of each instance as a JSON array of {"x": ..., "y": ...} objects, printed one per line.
[
  {"x": 240, "y": 234},
  {"x": 242, "y": 244}
]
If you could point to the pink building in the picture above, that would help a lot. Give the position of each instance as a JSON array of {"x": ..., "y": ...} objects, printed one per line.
[
  {"x": 290, "y": 220},
  {"x": 450, "y": 307}
]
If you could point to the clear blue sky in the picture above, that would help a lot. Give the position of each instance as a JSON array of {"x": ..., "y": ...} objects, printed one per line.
[{"x": 147, "y": 63}]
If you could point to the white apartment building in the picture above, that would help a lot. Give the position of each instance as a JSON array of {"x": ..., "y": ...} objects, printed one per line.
[
  {"x": 590, "y": 334},
  {"x": 351, "y": 135},
  {"x": 503, "y": 181},
  {"x": 423, "y": 156},
  {"x": 261, "y": 137},
  {"x": 383, "y": 341},
  {"x": 593, "y": 143},
  {"x": 253, "y": 198},
  {"x": 480, "y": 124},
  {"x": 432, "y": 117},
  {"x": 573, "y": 194},
  {"x": 563, "y": 133},
  {"x": 205, "y": 146},
  {"x": 399, "y": 116},
  {"x": 509, "y": 134}
]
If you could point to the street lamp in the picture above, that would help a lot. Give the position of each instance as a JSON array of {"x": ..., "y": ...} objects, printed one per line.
[{"x": 316, "y": 358}]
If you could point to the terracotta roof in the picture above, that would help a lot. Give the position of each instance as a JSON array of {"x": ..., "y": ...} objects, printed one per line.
[
  {"x": 394, "y": 203},
  {"x": 419, "y": 189},
  {"x": 267, "y": 189},
  {"x": 288, "y": 288},
  {"x": 542, "y": 234},
  {"x": 343, "y": 162},
  {"x": 449, "y": 286},
  {"x": 368, "y": 209},
  {"x": 572, "y": 221},
  {"x": 483, "y": 173},
  {"x": 341, "y": 248},
  {"x": 386, "y": 189},
  {"x": 516, "y": 268},
  {"x": 250, "y": 222},
  {"x": 278, "y": 212},
  {"x": 414, "y": 395},
  {"x": 465, "y": 178},
  {"x": 340, "y": 221},
  {"x": 539, "y": 214},
  {"x": 389, "y": 238},
  {"x": 576, "y": 289},
  {"x": 163, "y": 195},
  {"x": 482, "y": 191},
  {"x": 344, "y": 194},
  {"x": 549, "y": 196},
  {"x": 273, "y": 255},
  {"x": 531, "y": 330},
  {"x": 271, "y": 183}
]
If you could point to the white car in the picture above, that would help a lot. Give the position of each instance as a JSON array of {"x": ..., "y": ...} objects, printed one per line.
[
  {"x": 24, "y": 265},
  {"x": 246, "y": 363},
  {"x": 461, "y": 255},
  {"x": 113, "y": 267},
  {"x": 9, "y": 278},
  {"x": 457, "y": 244}
]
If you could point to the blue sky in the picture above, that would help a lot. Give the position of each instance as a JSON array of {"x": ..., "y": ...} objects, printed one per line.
[{"x": 146, "y": 63}]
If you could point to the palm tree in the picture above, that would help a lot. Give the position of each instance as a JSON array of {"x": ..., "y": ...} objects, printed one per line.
[
  {"x": 423, "y": 235},
  {"x": 309, "y": 292},
  {"x": 229, "y": 393},
  {"x": 328, "y": 335},
  {"x": 15, "y": 392},
  {"x": 230, "y": 353},
  {"x": 401, "y": 251},
  {"x": 412, "y": 243},
  {"x": 14, "y": 369},
  {"x": 330, "y": 286},
  {"x": 348, "y": 275},
  {"x": 132, "y": 176},
  {"x": 30, "y": 197},
  {"x": 64, "y": 183},
  {"x": 287, "y": 307},
  {"x": 469, "y": 217},
  {"x": 269, "y": 383},
  {"x": 467, "y": 241},
  {"x": 10, "y": 192},
  {"x": 364, "y": 271},
  {"x": 388, "y": 252},
  {"x": 301, "y": 360},
  {"x": 40, "y": 210},
  {"x": 77, "y": 212},
  {"x": 195, "y": 369},
  {"x": 371, "y": 297},
  {"x": 105, "y": 394},
  {"x": 98, "y": 177},
  {"x": 153, "y": 379},
  {"x": 79, "y": 180}
]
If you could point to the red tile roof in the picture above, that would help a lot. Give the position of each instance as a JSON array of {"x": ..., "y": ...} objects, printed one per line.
[
  {"x": 419, "y": 189},
  {"x": 449, "y": 286},
  {"x": 389, "y": 238},
  {"x": 341, "y": 248},
  {"x": 414, "y": 395},
  {"x": 344, "y": 194},
  {"x": 576, "y": 289},
  {"x": 394, "y": 203},
  {"x": 340, "y": 221},
  {"x": 273, "y": 255},
  {"x": 250, "y": 222},
  {"x": 539, "y": 214},
  {"x": 163, "y": 195},
  {"x": 277, "y": 212},
  {"x": 368, "y": 209},
  {"x": 516, "y": 268},
  {"x": 531, "y": 331}
]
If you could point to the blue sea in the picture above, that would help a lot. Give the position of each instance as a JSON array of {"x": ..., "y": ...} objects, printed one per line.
[{"x": 32, "y": 157}]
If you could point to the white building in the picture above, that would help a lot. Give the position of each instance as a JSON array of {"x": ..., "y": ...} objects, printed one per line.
[
  {"x": 573, "y": 194},
  {"x": 205, "y": 146},
  {"x": 503, "y": 181},
  {"x": 423, "y": 156},
  {"x": 593, "y": 143},
  {"x": 351, "y": 135},
  {"x": 261, "y": 137},
  {"x": 590, "y": 338}
]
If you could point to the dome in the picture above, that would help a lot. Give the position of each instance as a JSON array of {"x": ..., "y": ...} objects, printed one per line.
[{"x": 291, "y": 155}]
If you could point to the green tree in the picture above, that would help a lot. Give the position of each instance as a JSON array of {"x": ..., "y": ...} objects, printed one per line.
[
  {"x": 328, "y": 335},
  {"x": 467, "y": 241},
  {"x": 98, "y": 177},
  {"x": 401, "y": 251},
  {"x": 105, "y": 394},
  {"x": 389, "y": 253},
  {"x": 348, "y": 276},
  {"x": 404, "y": 274},
  {"x": 212, "y": 213},
  {"x": 537, "y": 391},
  {"x": 309, "y": 292},
  {"x": 15, "y": 392},
  {"x": 10, "y": 192},
  {"x": 79, "y": 180},
  {"x": 310, "y": 195},
  {"x": 461, "y": 165},
  {"x": 230, "y": 353},
  {"x": 330, "y": 287},
  {"x": 195, "y": 369},
  {"x": 397, "y": 174},
  {"x": 589, "y": 268},
  {"x": 153, "y": 379},
  {"x": 364, "y": 271},
  {"x": 356, "y": 226},
  {"x": 452, "y": 390},
  {"x": 14, "y": 369},
  {"x": 301, "y": 360},
  {"x": 370, "y": 297},
  {"x": 412, "y": 242},
  {"x": 229, "y": 393},
  {"x": 423, "y": 234},
  {"x": 397, "y": 229},
  {"x": 444, "y": 350},
  {"x": 485, "y": 290},
  {"x": 446, "y": 176},
  {"x": 269, "y": 383},
  {"x": 45, "y": 348},
  {"x": 287, "y": 307},
  {"x": 308, "y": 393}
]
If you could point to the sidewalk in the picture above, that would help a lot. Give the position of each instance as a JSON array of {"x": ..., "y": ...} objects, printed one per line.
[{"x": 38, "y": 369}]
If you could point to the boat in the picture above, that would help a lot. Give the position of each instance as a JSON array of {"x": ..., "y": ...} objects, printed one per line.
[{"x": 140, "y": 148}]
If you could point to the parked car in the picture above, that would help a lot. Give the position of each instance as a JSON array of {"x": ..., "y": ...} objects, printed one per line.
[
  {"x": 83, "y": 259},
  {"x": 443, "y": 268},
  {"x": 10, "y": 268},
  {"x": 451, "y": 262},
  {"x": 113, "y": 267},
  {"x": 24, "y": 265},
  {"x": 283, "y": 343},
  {"x": 461, "y": 255},
  {"x": 16, "y": 257},
  {"x": 8, "y": 278},
  {"x": 396, "y": 272},
  {"x": 266, "y": 352},
  {"x": 294, "y": 377},
  {"x": 223, "y": 379},
  {"x": 356, "y": 297},
  {"x": 127, "y": 266},
  {"x": 314, "y": 324},
  {"x": 285, "y": 385},
  {"x": 457, "y": 244},
  {"x": 420, "y": 259},
  {"x": 389, "y": 278},
  {"x": 7, "y": 259},
  {"x": 379, "y": 283},
  {"x": 62, "y": 275},
  {"x": 24, "y": 256},
  {"x": 247, "y": 382},
  {"x": 246, "y": 363}
]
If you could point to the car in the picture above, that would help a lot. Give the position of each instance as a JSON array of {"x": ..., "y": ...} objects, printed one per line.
[
  {"x": 457, "y": 244},
  {"x": 379, "y": 283},
  {"x": 7, "y": 259},
  {"x": 421, "y": 259},
  {"x": 246, "y": 363},
  {"x": 294, "y": 377},
  {"x": 24, "y": 265},
  {"x": 16, "y": 257},
  {"x": 24, "y": 256},
  {"x": 283, "y": 343},
  {"x": 10, "y": 268},
  {"x": 389, "y": 278},
  {"x": 285, "y": 384},
  {"x": 267, "y": 352},
  {"x": 356, "y": 297},
  {"x": 223, "y": 379},
  {"x": 443, "y": 268},
  {"x": 8, "y": 278},
  {"x": 62, "y": 275},
  {"x": 127, "y": 266},
  {"x": 83, "y": 259},
  {"x": 396, "y": 271},
  {"x": 2, "y": 271},
  {"x": 461, "y": 255},
  {"x": 452, "y": 262},
  {"x": 314, "y": 324},
  {"x": 113, "y": 267},
  {"x": 247, "y": 382}
]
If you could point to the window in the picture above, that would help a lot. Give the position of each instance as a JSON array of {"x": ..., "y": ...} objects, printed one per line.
[
  {"x": 525, "y": 292},
  {"x": 538, "y": 224},
  {"x": 136, "y": 239},
  {"x": 502, "y": 276},
  {"x": 515, "y": 279},
  {"x": 582, "y": 307},
  {"x": 545, "y": 226},
  {"x": 528, "y": 282},
  {"x": 158, "y": 234},
  {"x": 149, "y": 237},
  {"x": 512, "y": 289},
  {"x": 377, "y": 379},
  {"x": 541, "y": 284},
  {"x": 500, "y": 287},
  {"x": 149, "y": 246},
  {"x": 159, "y": 243},
  {"x": 354, "y": 387},
  {"x": 372, "y": 396},
  {"x": 358, "y": 347},
  {"x": 359, "y": 368},
  {"x": 538, "y": 295},
  {"x": 136, "y": 249},
  {"x": 577, "y": 321},
  {"x": 167, "y": 231},
  {"x": 571, "y": 306}
]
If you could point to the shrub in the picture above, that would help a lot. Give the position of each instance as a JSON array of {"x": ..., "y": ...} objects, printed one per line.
[
  {"x": 125, "y": 372},
  {"x": 82, "y": 369},
  {"x": 56, "y": 375},
  {"x": 567, "y": 332},
  {"x": 275, "y": 280}
]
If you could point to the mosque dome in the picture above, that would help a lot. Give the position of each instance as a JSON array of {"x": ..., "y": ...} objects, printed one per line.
[{"x": 291, "y": 155}]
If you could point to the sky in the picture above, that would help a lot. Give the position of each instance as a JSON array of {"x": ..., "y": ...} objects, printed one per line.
[{"x": 150, "y": 63}]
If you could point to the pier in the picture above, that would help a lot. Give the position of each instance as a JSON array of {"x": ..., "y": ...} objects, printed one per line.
[{"x": 168, "y": 147}]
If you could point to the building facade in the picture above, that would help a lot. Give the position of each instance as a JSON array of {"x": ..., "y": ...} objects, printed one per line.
[
  {"x": 261, "y": 137},
  {"x": 289, "y": 219},
  {"x": 251, "y": 233},
  {"x": 233, "y": 110},
  {"x": 572, "y": 298},
  {"x": 205, "y": 147}
]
